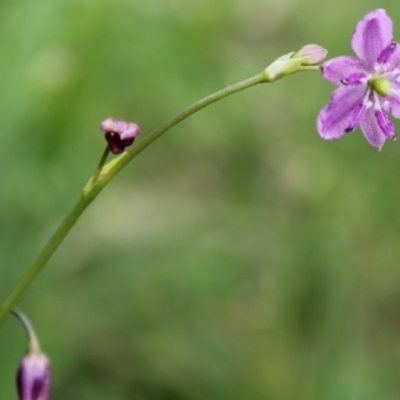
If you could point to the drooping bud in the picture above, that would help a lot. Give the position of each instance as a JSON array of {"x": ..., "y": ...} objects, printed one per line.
[
  {"x": 33, "y": 377},
  {"x": 311, "y": 54},
  {"x": 119, "y": 134}
]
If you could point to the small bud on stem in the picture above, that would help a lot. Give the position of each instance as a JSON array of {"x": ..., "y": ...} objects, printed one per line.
[
  {"x": 33, "y": 377},
  {"x": 308, "y": 56},
  {"x": 119, "y": 133},
  {"x": 311, "y": 54}
]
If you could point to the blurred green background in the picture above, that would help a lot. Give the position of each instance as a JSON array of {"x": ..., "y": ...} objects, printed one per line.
[{"x": 240, "y": 256}]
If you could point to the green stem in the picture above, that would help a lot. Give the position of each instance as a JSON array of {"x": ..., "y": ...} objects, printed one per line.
[
  {"x": 34, "y": 346},
  {"x": 45, "y": 255},
  {"x": 113, "y": 167},
  {"x": 103, "y": 160},
  {"x": 102, "y": 176},
  {"x": 100, "y": 179},
  {"x": 308, "y": 68}
]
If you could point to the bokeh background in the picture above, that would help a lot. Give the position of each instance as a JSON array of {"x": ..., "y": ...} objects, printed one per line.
[{"x": 238, "y": 257}]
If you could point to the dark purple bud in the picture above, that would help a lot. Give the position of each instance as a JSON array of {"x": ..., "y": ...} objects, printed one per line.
[
  {"x": 33, "y": 379},
  {"x": 119, "y": 133}
]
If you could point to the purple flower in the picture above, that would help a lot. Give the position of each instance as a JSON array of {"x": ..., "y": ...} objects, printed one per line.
[
  {"x": 119, "y": 134},
  {"x": 369, "y": 86},
  {"x": 33, "y": 379}
]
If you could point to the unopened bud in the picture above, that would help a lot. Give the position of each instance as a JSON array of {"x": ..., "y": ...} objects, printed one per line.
[
  {"x": 311, "y": 54},
  {"x": 308, "y": 55},
  {"x": 119, "y": 134},
  {"x": 33, "y": 377}
]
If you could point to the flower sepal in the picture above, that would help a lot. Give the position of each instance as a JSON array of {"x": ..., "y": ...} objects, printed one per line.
[{"x": 281, "y": 67}]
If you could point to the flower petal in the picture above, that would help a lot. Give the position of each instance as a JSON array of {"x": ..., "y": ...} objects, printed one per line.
[
  {"x": 385, "y": 58},
  {"x": 356, "y": 115},
  {"x": 393, "y": 61},
  {"x": 371, "y": 128},
  {"x": 371, "y": 35},
  {"x": 338, "y": 115},
  {"x": 393, "y": 101},
  {"x": 385, "y": 124},
  {"x": 109, "y": 125},
  {"x": 380, "y": 111},
  {"x": 115, "y": 144},
  {"x": 339, "y": 68},
  {"x": 130, "y": 131}
]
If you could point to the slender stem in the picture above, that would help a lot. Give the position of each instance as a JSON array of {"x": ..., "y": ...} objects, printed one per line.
[
  {"x": 103, "y": 160},
  {"x": 113, "y": 167},
  {"x": 34, "y": 346},
  {"x": 100, "y": 179},
  {"x": 45, "y": 255},
  {"x": 307, "y": 68},
  {"x": 102, "y": 176}
]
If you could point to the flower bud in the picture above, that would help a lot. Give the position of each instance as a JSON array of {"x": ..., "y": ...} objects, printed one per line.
[
  {"x": 311, "y": 54},
  {"x": 33, "y": 379},
  {"x": 119, "y": 134}
]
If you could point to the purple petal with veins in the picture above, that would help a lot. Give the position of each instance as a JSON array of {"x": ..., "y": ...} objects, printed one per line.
[
  {"x": 335, "y": 118},
  {"x": 371, "y": 35},
  {"x": 385, "y": 124},
  {"x": 371, "y": 129},
  {"x": 354, "y": 78},
  {"x": 387, "y": 53},
  {"x": 393, "y": 61},
  {"x": 356, "y": 115},
  {"x": 341, "y": 67}
]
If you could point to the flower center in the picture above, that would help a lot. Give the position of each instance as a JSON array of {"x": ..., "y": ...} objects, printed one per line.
[{"x": 380, "y": 85}]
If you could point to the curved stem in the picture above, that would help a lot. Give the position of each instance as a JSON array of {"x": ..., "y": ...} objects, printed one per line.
[
  {"x": 113, "y": 167},
  {"x": 102, "y": 176},
  {"x": 45, "y": 255},
  {"x": 34, "y": 346},
  {"x": 100, "y": 179},
  {"x": 103, "y": 160}
]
